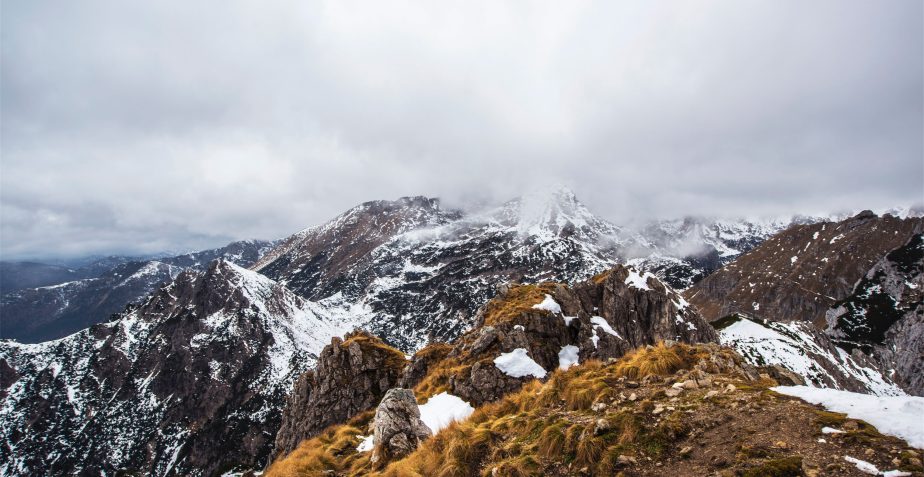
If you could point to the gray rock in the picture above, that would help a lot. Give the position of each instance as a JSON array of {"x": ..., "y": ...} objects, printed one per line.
[{"x": 397, "y": 427}]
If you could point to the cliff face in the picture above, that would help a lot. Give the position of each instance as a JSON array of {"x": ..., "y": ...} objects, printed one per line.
[
  {"x": 803, "y": 271},
  {"x": 352, "y": 375},
  {"x": 883, "y": 318}
]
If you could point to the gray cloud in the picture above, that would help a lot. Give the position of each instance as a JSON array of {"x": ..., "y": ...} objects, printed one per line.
[{"x": 142, "y": 126}]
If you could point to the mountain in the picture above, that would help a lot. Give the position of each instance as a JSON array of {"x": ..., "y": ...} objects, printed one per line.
[
  {"x": 188, "y": 383},
  {"x": 856, "y": 277},
  {"x": 415, "y": 272},
  {"x": 38, "y": 314},
  {"x": 883, "y": 318},
  {"x": 18, "y": 275},
  {"x": 683, "y": 251},
  {"x": 799, "y": 273}
]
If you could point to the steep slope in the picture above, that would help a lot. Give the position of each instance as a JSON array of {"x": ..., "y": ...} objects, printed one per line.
[
  {"x": 801, "y": 272},
  {"x": 801, "y": 348},
  {"x": 38, "y": 314},
  {"x": 884, "y": 316},
  {"x": 190, "y": 382}
]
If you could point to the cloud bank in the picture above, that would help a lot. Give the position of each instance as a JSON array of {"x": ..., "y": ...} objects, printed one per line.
[{"x": 141, "y": 126}]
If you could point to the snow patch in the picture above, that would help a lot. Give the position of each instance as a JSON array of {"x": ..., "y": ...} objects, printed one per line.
[
  {"x": 366, "y": 444},
  {"x": 600, "y": 322},
  {"x": 549, "y": 304},
  {"x": 442, "y": 409},
  {"x": 568, "y": 357},
  {"x": 635, "y": 280},
  {"x": 518, "y": 364}
]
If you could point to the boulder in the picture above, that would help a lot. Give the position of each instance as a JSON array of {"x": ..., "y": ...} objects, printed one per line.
[{"x": 397, "y": 427}]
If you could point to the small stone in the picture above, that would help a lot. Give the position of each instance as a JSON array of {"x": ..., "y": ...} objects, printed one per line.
[
  {"x": 633, "y": 397},
  {"x": 690, "y": 384},
  {"x": 781, "y": 445},
  {"x": 631, "y": 384},
  {"x": 730, "y": 388},
  {"x": 896, "y": 462},
  {"x": 598, "y": 407},
  {"x": 601, "y": 426},
  {"x": 711, "y": 394},
  {"x": 624, "y": 460},
  {"x": 685, "y": 452},
  {"x": 869, "y": 452},
  {"x": 658, "y": 410},
  {"x": 672, "y": 392}
]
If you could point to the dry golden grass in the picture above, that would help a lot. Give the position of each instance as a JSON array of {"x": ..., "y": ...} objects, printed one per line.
[
  {"x": 541, "y": 427},
  {"x": 660, "y": 360},
  {"x": 518, "y": 300},
  {"x": 394, "y": 358}
]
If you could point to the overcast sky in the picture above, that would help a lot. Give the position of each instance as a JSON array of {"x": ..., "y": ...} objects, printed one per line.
[{"x": 143, "y": 126}]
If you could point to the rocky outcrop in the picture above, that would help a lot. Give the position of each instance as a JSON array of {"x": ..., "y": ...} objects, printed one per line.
[
  {"x": 883, "y": 318},
  {"x": 397, "y": 428},
  {"x": 352, "y": 376},
  {"x": 601, "y": 318},
  {"x": 803, "y": 271}
]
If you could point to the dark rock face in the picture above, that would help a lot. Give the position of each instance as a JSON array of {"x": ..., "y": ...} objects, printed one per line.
[
  {"x": 603, "y": 318},
  {"x": 397, "y": 427},
  {"x": 883, "y": 318},
  {"x": 32, "y": 315},
  {"x": 352, "y": 375},
  {"x": 189, "y": 383},
  {"x": 800, "y": 273}
]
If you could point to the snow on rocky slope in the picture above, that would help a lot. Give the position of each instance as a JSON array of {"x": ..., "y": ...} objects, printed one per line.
[
  {"x": 801, "y": 348},
  {"x": 414, "y": 271},
  {"x": 170, "y": 387}
]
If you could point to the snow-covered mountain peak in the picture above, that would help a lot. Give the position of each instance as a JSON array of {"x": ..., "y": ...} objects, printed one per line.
[{"x": 555, "y": 212}]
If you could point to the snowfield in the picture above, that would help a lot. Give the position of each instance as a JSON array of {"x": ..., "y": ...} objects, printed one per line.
[{"x": 899, "y": 416}]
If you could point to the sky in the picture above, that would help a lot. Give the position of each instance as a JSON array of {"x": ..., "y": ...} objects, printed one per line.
[{"x": 138, "y": 127}]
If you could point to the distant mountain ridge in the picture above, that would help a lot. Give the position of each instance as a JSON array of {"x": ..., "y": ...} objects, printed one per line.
[{"x": 54, "y": 311}]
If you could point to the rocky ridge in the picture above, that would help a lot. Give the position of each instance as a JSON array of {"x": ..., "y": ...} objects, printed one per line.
[{"x": 801, "y": 272}]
